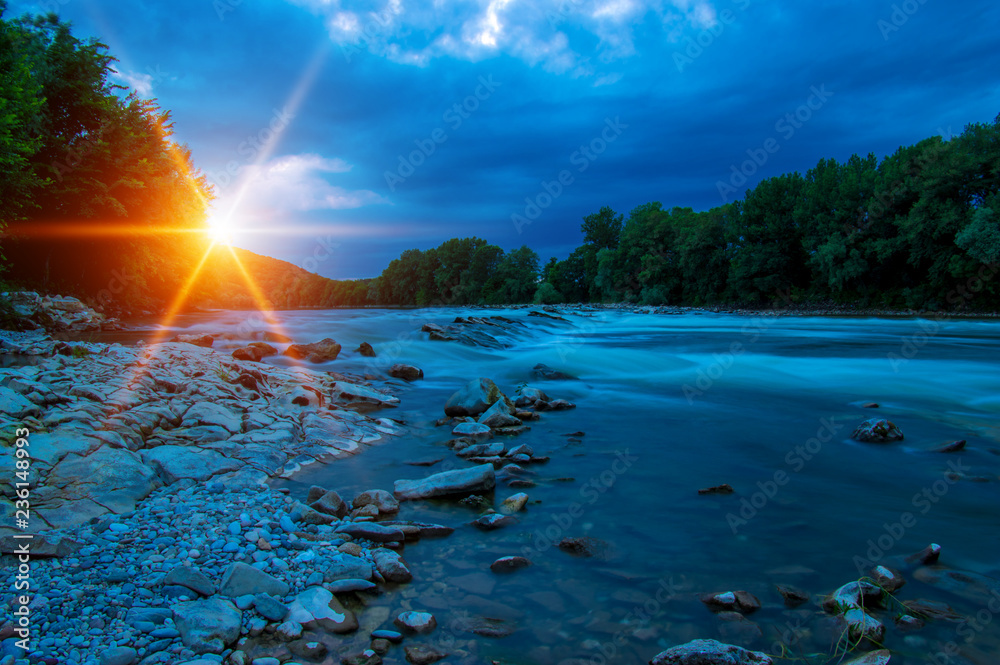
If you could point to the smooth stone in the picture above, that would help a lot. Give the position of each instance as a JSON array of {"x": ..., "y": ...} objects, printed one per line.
[
  {"x": 509, "y": 563},
  {"x": 318, "y": 608},
  {"x": 207, "y": 626},
  {"x": 460, "y": 481},
  {"x": 192, "y": 579},
  {"x": 514, "y": 503},
  {"x": 241, "y": 579},
  {"x": 119, "y": 656},
  {"x": 390, "y": 635},
  {"x": 270, "y": 608},
  {"x": 710, "y": 652},
  {"x": 391, "y": 566},
  {"x": 406, "y": 372},
  {"x": 416, "y": 622},
  {"x": 349, "y": 585},
  {"x": 371, "y": 531},
  {"x": 474, "y": 398},
  {"x": 384, "y": 501},
  {"x": 471, "y": 429}
]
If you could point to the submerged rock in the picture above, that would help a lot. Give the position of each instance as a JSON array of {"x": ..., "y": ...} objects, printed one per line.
[
  {"x": 877, "y": 430},
  {"x": 416, "y": 622},
  {"x": 710, "y": 652},
  {"x": 318, "y": 608},
  {"x": 953, "y": 447},
  {"x": 509, "y": 563},
  {"x": 725, "y": 488},
  {"x": 406, "y": 372},
  {"x": 743, "y": 602},
  {"x": 474, "y": 398},
  {"x": 880, "y": 657},
  {"x": 460, "y": 481},
  {"x": 927, "y": 556},
  {"x": 546, "y": 373}
]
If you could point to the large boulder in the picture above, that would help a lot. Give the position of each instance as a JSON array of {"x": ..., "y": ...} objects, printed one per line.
[
  {"x": 877, "y": 430},
  {"x": 113, "y": 477},
  {"x": 255, "y": 351},
  {"x": 207, "y": 626},
  {"x": 480, "y": 478},
  {"x": 710, "y": 652},
  {"x": 475, "y": 398},
  {"x": 385, "y": 502},
  {"x": 318, "y": 352},
  {"x": 174, "y": 463}
]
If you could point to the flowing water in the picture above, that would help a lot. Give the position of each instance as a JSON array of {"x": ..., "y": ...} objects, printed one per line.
[{"x": 670, "y": 404}]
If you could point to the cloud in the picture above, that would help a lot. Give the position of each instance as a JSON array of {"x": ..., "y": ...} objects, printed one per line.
[
  {"x": 141, "y": 83},
  {"x": 551, "y": 33},
  {"x": 287, "y": 186}
]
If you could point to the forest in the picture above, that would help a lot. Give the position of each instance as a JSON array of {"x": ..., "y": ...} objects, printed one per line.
[{"x": 98, "y": 200}]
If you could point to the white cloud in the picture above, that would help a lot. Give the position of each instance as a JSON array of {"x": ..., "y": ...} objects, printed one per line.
[
  {"x": 141, "y": 83},
  {"x": 534, "y": 31},
  {"x": 283, "y": 186}
]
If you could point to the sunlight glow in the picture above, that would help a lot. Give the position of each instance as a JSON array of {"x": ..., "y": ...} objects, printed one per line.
[{"x": 221, "y": 229}]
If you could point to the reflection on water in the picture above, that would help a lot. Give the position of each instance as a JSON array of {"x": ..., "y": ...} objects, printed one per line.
[{"x": 766, "y": 405}]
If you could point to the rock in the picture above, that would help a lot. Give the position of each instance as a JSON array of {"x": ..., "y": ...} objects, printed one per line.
[
  {"x": 390, "y": 635},
  {"x": 483, "y": 450},
  {"x": 414, "y": 530},
  {"x": 371, "y": 531},
  {"x": 473, "y": 399},
  {"x": 416, "y": 622},
  {"x": 318, "y": 608},
  {"x": 861, "y": 626},
  {"x": 585, "y": 547},
  {"x": 474, "y": 430},
  {"x": 710, "y": 652},
  {"x": 735, "y": 628},
  {"x": 270, "y": 608},
  {"x": 384, "y": 501},
  {"x": 499, "y": 415},
  {"x": 328, "y": 503},
  {"x": 493, "y": 521},
  {"x": 880, "y": 657},
  {"x": 366, "y": 350},
  {"x": 953, "y": 447},
  {"x": 853, "y": 595},
  {"x": 927, "y": 556},
  {"x": 391, "y": 566},
  {"x": 792, "y": 595},
  {"x": 255, "y": 352},
  {"x": 15, "y": 406},
  {"x": 480, "y": 478},
  {"x": 528, "y": 396},
  {"x": 888, "y": 579},
  {"x": 174, "y": 463},
  {"x": 725, "y": 488},
  {"x": 406, "y": 372},
  {"x": 308, "y": 396},
  {"x": 363, "y": 395},
  {"x": 554, "y": 405},
  {"x": 509, "y": 563},
  {"x": 241, "y": 579},
  {"x": 209, "y": 413},
  {"x": 114, "y": 478},
  {"x": 514, "y": 503},
  {"x": 546, "y": 373},
  {"x": 347, "y": 566},
  {"x": 974, "y": 587},
  {"x": 870, "y": 405},
  {"x": 877, "y": 430},
  {"x": 207, "y": 626},
  {"x": 366, "y": 657},
  {"x": 192, "y": 579},
  {"x": 743, "y": 602},
  {"x": 424, "y": 655},
  {"x": 205, "y": 341},
  {"x": 316, "y": 352},
  {"x": 119, "y": 656},
  {"x": 349, "y": 585}
]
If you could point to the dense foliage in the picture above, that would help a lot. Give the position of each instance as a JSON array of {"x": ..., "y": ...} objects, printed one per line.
[{"x": 95, "y": 197}]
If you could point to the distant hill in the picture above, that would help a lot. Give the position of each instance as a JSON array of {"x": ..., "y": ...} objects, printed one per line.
[{"x": 282, "y": 285}]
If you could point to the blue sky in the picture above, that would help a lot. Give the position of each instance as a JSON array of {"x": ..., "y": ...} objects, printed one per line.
[{"x": 340, "y": 133}]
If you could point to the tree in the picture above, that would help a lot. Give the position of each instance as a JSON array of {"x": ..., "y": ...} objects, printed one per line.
[
  {"x": 515, "y": 279},
  {"x": 602, "y": 229}
]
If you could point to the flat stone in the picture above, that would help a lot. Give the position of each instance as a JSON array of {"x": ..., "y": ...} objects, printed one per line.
[
  {"x": 241, "y": 579},
  {"x": 192, "y": 579},
  {"x": 174, "y": 463},
  {"x": 119, "y": 656},
  {"x": 391, "y": 566},
  {"x": 371, "y": 531},
  {"x": 349, "y": 585},
  {"x": 460, "y": 481},
  {"x": 422, "y": 654},
  {"x": 270, "y": 608},
  {"x": 509, "y": 563}
]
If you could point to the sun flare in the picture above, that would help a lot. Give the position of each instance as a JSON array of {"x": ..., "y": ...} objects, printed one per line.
[{"x": 221, "y": 230}]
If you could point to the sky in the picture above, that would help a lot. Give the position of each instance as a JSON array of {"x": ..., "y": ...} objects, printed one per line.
[{"x": 338, "y": 134}]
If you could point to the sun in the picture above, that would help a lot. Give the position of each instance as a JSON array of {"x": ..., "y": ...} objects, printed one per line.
[{"x": 221, "y": 229}]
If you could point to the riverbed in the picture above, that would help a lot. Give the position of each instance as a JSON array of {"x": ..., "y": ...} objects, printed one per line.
[{"x": 667, "y": 405}]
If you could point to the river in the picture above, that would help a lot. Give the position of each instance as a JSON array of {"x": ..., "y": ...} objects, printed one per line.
[{"x": 670, "y": 404}]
